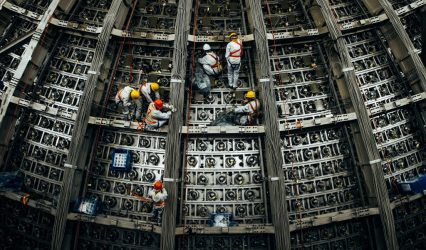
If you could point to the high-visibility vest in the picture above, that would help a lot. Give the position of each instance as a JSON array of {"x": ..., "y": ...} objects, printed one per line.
[{"x": 149, "y": 118}]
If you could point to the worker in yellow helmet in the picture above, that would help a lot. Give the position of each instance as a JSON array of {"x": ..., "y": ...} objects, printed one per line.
[
  {"x": 125, "y": 97},
  {"x": 233, "y": 54},
  {"x": 248, "y": 113},
  {"x": 150, "y": 91}
]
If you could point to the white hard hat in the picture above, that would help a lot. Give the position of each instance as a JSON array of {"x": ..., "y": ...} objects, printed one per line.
[{"x": 206, "y": 47}]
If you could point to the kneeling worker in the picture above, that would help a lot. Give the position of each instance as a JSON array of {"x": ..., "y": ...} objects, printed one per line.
[
  {"x": 248, "y": 112},
  {"x": 125, "y": 96},
  {"x": 155, "y": 117},
  {"x": 210, "y": 61}
]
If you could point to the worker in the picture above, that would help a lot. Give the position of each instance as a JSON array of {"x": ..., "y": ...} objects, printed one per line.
[
  {"x": 158, "y": 114},
  {"x": 210, "y": 61},
  {"x": 249, "y": 112},
  {"x": 234, "y": 52},
  {"x": 158, "y": 195},
  {"x": 125, "y": 96},
  {"x": 149, "y": 93}
]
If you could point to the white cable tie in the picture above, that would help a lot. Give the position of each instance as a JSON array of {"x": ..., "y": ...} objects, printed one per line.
[
  {"x": 348, "y": 69},
  {"x": 169, "y": 180},
  {"x": 375, "y": 161},
  {"x": 275, "y": 178},
  {"x": 66, "y": 165},
  {"x": 264, "y": 80},
  {"x": 175, "y": 81}
]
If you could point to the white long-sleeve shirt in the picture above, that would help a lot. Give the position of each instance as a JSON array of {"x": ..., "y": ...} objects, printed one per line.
[
  {"x": 234, "y": 51},
  {"x": 211, "y": 63},
  {"x": 146, "y": 90},
  {"x": 158, "y": 197},
  {"x": 123, "y": 95},
  {"x": 251, "y": 107}
]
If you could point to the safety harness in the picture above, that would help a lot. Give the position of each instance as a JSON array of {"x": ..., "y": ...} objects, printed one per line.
[
  {"x": 216, "y": 58},
  {"x": 240, "y": 50},
  {"x": 255, "y": 114}
]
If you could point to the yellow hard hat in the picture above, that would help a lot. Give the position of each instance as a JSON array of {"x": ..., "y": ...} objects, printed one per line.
[
  {"x": 233, "y": 34},
  {"x": 250, "y": 94},
  {"x": 135, "y": 94},
  {"x": 155, "y": 86}
]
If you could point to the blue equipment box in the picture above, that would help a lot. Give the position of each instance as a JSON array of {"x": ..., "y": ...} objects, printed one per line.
[
  {"x": 415, "y": 186},
  {"x": 121, "y": 160}
]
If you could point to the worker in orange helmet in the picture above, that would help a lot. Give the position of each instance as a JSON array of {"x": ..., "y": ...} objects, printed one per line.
[
  {"x": 233, "y": 54},
  {"x": 158, "y": 114},
  {"x": 158, "y": 195}
]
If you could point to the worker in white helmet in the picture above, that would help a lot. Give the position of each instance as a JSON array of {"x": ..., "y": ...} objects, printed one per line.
[
  {"x": 125, "y": 97},
  {"x": 234, "y": 52},
  {"x": 210, "y": 61}
]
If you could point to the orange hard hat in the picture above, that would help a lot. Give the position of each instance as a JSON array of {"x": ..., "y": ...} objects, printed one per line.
[
  {"x": 158, "y": 104},
  {"x": 158, "y": 185}
]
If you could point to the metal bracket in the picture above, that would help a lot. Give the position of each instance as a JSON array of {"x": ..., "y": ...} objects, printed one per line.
[
  {"x": 375, "y": 161},
  {"x": 348, "y": 69},
  {"x": 170, "y": 180},
  {"x": 66, "y": 165}
]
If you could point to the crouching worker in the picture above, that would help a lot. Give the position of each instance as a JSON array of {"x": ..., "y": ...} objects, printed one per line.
[
  {"x": 125, "y": 97},
  {"x": 158, "y": 195},
  {"x": 248, "y": 113},
  {"x": 158, "y": 114},
  {"x": 210, "y": 61}
]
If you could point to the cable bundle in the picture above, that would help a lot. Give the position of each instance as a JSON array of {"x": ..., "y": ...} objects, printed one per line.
[
  {"x": 402, "y": 34},
  {"x": 80, "y": 127},
  {"x": 177, "y": 99},
  {"x": 274, "y": 161},
  {"x": 365, "y": 127}
]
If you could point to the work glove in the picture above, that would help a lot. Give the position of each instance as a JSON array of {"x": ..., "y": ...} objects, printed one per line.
[
  {"x": 169, "y": 113},
  {"x": 172, "y": 108},
  {"x": 230, "y": 110},
  {"x": 127, "y": 104}
]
